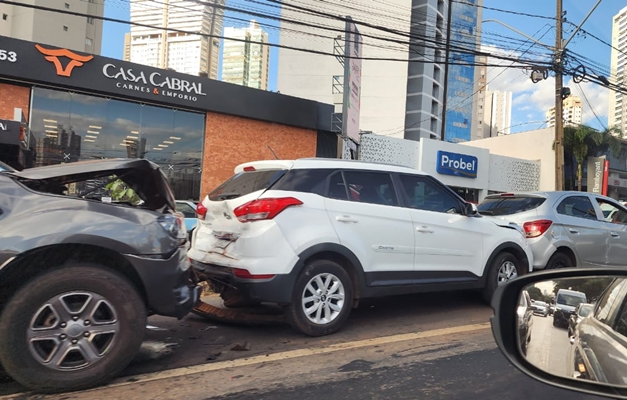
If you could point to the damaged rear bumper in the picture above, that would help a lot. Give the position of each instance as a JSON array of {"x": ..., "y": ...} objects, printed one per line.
[{"x": 277, "y": 289}]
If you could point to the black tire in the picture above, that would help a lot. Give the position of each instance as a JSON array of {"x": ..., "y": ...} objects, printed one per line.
[
  {"x": 492, "y": 275},
  {"x": 559, "y": 260},
  {"x": 28, "y": 301},
  {"x": 555, "y": 322},
  {"x": 294, "y": 313}
]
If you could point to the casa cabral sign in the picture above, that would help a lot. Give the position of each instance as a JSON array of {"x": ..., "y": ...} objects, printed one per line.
[{"x": 155, "y": 82}]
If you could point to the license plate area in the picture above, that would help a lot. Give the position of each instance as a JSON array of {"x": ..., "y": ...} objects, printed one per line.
[
  {"x": 224, "y": 239},
  {"x": 222, "y": 243}
]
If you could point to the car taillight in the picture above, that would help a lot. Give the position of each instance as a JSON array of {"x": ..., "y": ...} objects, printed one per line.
[
  {"x": 201, "y": 211},
  {"x": 263, "y": 209},
  {"x": 536, "y": 228},
  {"x": 249, "y": 169},
  {"x": 244, "y": 274}
]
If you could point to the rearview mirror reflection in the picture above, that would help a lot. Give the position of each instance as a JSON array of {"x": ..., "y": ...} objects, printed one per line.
[{"x": 576, "y": 328}]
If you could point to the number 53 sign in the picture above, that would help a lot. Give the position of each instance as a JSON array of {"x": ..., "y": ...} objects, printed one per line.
[{"x": 9, "y": 56}]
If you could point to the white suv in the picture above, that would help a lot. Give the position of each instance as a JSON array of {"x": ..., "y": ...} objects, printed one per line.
[{"x": 317, "y": 235}]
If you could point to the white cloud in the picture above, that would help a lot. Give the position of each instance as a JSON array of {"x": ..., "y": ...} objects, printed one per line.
[{"x": 530, "y": 101}]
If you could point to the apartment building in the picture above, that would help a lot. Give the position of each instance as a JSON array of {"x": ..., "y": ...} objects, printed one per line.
[
  {"x": 55, "y": 29},
  {"x": 246, "y": 59},
  {"x": 190, "y": 53}
]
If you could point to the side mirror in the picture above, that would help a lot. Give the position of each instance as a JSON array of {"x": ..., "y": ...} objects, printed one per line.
[
  {"x": 582, "y": 362},
  {"x": 470, "y": 209}
]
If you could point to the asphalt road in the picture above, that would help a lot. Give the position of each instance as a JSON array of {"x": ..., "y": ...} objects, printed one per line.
[
  {"x": 549, "y": 346},
  {"x": 428, "y": 346}
]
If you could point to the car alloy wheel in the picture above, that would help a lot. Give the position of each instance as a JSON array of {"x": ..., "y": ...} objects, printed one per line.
[
  {"x": 507, "y": 271},
  {"x": 72, "y": 330},
  {"x": 323, "y": 298}
]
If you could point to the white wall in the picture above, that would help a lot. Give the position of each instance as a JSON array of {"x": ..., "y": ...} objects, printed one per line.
[
  {"x": 530, "y": 145},
  {"x": 494, "y": 172},
  {"x": 310, "y": 76},
  {"x": 390, "y": 150},
  {"x": 509, "y": 174}
]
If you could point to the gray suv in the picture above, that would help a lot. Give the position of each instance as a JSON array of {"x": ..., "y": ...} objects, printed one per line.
[
  {"x": 80, "y": 272},
  {"x": 565, "y": 229}
]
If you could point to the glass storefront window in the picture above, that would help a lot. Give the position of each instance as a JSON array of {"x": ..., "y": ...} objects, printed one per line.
[{"x": 69, "y": 127}]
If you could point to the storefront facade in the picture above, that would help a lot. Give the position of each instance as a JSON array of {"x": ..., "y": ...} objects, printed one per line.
[
  {"x": 472, "y": 172},
  {"x": 79, "y": 107}
]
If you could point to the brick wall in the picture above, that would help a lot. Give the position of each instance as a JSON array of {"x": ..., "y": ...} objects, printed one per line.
[
  {"x": 11, "y": 97},
  {"x": 230, "y": 141}
]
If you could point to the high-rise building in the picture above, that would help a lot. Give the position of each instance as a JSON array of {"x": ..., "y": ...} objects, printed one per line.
[
  {"x": 127, "y": 47},
  {"x": 481, "y": 75},
  {"x": 246, "y": 61},
  {"x": 189, "y": 53},
  {"x": 464, "y": 78},
  {"x": 55, "y": 29},
  {"x": 497, "y": 115},
  {"x": 572, "y": 110},
  {"x": 617, "y": 115},
  {"x": 402, "y": 99}
]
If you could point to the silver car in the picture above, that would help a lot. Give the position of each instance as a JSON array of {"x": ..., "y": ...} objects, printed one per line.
[{"x": 565, "y": 229}]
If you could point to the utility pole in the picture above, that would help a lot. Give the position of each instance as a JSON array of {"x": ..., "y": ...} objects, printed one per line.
[
  {"x": 559, "y": 119},
  {"x": 447, "y": 58}
]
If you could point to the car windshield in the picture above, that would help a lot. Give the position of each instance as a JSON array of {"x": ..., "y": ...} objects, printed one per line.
[
  {"x": 570, "y": 300},
  {"x": 509, "y": 205},
  {"x": 540, "y": 303}
]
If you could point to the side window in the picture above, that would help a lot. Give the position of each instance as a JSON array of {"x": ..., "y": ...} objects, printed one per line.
[
  {"x": 371, "y": 187},
  {"x": 425, "y": 194},
  {"x": 304, "y": 180},
  {"x": 337, "y": 188},
  {"x": 612, "y": 212},
  {"x": 577, "y": 206}
]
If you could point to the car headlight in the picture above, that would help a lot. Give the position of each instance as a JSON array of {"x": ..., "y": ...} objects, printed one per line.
[{"x": 174, "y": 225}]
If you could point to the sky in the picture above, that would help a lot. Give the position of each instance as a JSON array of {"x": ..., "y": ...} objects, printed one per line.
[{"x": 530, "y": 101}]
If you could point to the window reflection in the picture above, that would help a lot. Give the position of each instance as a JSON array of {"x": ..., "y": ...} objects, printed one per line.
[{"x": 69, "y": 127}]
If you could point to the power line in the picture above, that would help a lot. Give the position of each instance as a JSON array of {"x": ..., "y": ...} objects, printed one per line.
[
  {"x": 78, "y": 14},
  {"x": 503, "y": 11}
]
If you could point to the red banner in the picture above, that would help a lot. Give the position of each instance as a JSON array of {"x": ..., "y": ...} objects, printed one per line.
[{"x": 606, "y": 170}]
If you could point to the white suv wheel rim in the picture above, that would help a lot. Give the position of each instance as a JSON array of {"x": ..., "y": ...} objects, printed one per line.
[
  {"x": 323, "y": 298},
  {"x": 507, "y": 272}
]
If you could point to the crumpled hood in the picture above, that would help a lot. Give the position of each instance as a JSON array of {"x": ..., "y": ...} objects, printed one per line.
[{"x": 143, "y": 176}]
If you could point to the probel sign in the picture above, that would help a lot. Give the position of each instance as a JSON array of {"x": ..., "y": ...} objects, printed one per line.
[{"x": 455, "y": 164}]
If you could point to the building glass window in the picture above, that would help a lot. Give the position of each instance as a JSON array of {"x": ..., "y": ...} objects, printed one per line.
[{"x": 69, "y": 127}]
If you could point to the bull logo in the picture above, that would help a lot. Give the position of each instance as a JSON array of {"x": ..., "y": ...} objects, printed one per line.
[{"x": 54, "y": 56}]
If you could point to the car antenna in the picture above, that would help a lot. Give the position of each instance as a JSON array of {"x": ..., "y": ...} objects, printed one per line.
[{"x": 273, "y": 153}]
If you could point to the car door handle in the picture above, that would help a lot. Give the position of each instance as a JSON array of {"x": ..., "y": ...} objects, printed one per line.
[
  {"x": 424, "y": 229},
  {"x": 614, "y": 234},
  {"x": 573, "y": 230},
  {"x": 345, "y": 218}
]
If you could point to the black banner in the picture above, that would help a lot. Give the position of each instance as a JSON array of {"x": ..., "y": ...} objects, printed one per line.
[{"x": 42, "y": 64}]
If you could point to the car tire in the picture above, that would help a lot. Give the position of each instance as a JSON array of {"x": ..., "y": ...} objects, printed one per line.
[
  {"x": 555, "y": 322},
  {"x": 559, "y": 260},
  {"x": 336, "y": 283},
  {"x": 503, "y": 268},
  {"x": 95, "y": 301}
]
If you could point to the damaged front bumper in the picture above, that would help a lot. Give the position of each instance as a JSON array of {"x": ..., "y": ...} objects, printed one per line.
[{"x": 169, "y": 285}]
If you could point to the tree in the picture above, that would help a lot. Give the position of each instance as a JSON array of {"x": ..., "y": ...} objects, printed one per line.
[
  {"x": 592, "y": 287},
  {"x": 584, "y": 141},
  {"x": 120, "y": 191}
]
